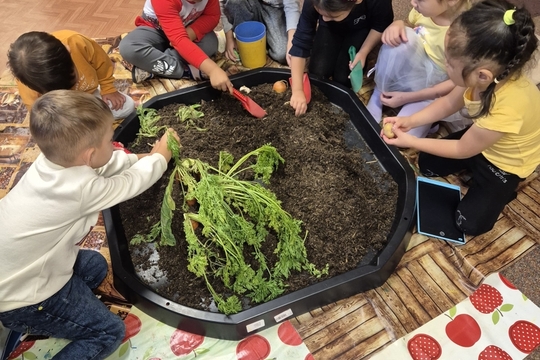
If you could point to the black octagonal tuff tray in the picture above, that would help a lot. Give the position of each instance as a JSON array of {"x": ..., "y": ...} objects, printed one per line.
[{"x": 370, "y": 273}]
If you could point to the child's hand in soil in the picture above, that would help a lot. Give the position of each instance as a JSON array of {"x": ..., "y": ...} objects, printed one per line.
[
  {"x": 298, "y": 102},
  {"x": 161, "y": 145}
]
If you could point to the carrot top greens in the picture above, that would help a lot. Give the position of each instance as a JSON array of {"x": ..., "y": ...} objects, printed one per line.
[{"x": 234, "y": 213}]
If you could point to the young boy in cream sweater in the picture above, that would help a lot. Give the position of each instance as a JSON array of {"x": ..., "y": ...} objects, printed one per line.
[{"x": 47, "y": 281}]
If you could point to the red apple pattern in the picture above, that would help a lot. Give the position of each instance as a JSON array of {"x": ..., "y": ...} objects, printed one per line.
[
  {"x": 133, "y": 326},
  {"x": 183, "y": 343},
  {"x": 288, "y": 334},
  {"x": 254, "y": 347},
  {"x": 463, "y": 330},
  {"x": 493, "y": 352},
  {"x": 25, "y": 345},
  {"x": 507, "y": 282},
  {"x": 424, "y": 347},
  {"x": 524, "y": 335},
  {"x": 486, "y": 299}
]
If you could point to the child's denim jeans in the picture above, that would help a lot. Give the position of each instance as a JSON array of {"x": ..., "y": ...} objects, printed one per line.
[{"x": 74, "y": 313}]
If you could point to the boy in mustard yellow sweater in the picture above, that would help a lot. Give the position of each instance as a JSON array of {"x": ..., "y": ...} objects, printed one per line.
[{"x": 42, "y": 62}]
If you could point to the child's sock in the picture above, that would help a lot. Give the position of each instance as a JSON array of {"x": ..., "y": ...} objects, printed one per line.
[
  {"x": 375, "y": 106},
  {"x": 191, "y": 72}
]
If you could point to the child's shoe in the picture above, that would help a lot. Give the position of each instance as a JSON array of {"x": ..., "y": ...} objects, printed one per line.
[
  {"x": 139, "y": 75},
  {"x": 191, "y": 72}
]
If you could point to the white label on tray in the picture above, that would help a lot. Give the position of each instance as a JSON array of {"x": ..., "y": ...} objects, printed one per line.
[
  {"x": 254, "y": 326},
  {"x": 282, "y": 316}
]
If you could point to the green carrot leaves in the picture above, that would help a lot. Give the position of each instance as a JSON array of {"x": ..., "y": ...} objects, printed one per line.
[
  {"x": 148, "y": 119},
  {"x": 232, "y": 214}
]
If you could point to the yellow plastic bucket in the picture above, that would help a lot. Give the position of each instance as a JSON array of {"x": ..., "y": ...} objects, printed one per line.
[{"x": 251, "y": 43}]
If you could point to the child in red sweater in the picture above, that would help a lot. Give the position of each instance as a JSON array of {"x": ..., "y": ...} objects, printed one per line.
[{"x": 175, "y": 39}]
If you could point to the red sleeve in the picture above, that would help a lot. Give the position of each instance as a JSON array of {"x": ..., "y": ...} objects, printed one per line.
[
  {"x": 168, "y": 15},
  {"x": 208, "y": 20}
]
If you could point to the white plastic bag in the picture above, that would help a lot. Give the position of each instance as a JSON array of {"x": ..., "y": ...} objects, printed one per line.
[{"x": 406, "y": 67}]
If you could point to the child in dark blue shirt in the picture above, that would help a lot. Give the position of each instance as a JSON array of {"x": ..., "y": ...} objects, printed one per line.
[{"x": 325, "y": 32}]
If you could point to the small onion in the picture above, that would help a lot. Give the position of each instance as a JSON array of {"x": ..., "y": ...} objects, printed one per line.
[{"x": 280, "y": 86}]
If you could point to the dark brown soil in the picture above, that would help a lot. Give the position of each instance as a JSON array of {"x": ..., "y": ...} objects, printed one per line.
[{"x": 344, "y": 199}]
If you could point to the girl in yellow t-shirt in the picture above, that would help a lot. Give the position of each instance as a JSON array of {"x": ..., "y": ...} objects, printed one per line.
[
  {"x": 410, "y": 69},
  {"x": 486, "y": 49}
]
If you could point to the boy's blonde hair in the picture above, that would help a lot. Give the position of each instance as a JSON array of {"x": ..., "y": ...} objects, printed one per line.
[{"x": 63, "y": 123}]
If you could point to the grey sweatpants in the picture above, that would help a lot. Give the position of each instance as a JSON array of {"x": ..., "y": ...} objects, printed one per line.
[
  {"x": 238, "y": 11},
  {"x": 149, "y": 49}
]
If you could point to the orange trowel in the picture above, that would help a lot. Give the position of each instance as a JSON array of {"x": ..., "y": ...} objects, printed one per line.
[{"x": 251, "y": 106}]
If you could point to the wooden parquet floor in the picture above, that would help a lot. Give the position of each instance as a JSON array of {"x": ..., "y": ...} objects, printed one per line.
[{"x": 93, "y": 18}]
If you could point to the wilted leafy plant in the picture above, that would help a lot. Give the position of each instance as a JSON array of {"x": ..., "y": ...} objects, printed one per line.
[
  {"x": 233, "y": 214},
  {"x": 189, "y": 115},
  {"x": 148, "y": 119}
]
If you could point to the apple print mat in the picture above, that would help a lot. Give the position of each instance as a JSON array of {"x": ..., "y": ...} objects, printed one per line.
[
  {"x": 148, "y": 339},
  {"x": 497, "y": 321}
]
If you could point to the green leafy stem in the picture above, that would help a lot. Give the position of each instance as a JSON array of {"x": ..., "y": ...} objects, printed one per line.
[{"x": 233, "y": 213}]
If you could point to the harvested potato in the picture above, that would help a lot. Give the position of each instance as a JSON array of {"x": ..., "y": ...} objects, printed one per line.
[{"x": 387, "y": 130}]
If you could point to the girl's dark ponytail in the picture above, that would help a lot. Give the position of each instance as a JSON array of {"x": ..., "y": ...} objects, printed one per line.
[
  {"x": 493, "y": 30},
  {"x": 523, "y": 32}
]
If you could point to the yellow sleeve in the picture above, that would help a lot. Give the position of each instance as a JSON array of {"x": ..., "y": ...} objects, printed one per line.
[
  {"x": 414, "y": 16},
  {"x": 90, "y": 52},
  {"x": 28, "y": 96}
]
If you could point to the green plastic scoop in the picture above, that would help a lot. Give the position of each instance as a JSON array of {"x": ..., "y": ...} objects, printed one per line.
[{"x": 357, "y": 73}]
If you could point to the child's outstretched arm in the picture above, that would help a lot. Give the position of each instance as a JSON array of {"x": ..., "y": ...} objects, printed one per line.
[
  {"x": 125, "y": 177},
  {"x": 292, "y": 16},
  {"x": 218, "y": 77},
  {"x": 473, "y": 142},
  {"x": 94, "y": 54},
  {"x": 298, "y": 98},
  {"x": 437, "y": 110},
  {"x": 396, "y": 99}
]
